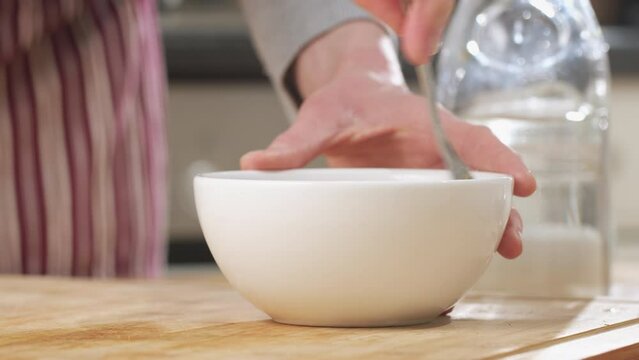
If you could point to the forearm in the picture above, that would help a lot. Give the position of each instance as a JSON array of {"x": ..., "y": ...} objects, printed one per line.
[
  {"x": 281, "y": 29},
  {"x": 357, "y": 47}
]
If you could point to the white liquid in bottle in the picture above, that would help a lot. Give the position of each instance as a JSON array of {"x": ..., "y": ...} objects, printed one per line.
[{"x": 557, "y": 261}]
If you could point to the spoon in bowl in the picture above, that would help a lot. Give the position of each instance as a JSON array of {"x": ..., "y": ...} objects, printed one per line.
[
  {"x": 428, "y": 88},
  {"x": 426, "y": 79}
]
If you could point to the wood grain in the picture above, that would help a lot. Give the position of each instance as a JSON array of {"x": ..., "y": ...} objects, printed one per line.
[
  {"x": 630, "y": 352},
  {"x": 202, "y": 317}
]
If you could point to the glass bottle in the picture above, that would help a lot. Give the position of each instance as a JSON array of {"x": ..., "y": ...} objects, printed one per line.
[{"x": 536, "y": 73}]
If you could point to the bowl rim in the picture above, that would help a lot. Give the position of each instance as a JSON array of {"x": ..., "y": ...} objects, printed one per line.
[{"x": 231, "y": 176}]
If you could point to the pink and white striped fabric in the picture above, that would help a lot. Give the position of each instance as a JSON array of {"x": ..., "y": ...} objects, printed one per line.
[{"x": 82, "y": 142}]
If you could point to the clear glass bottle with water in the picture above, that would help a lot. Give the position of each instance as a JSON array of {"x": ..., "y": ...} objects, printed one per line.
[{"x": 536, "y": 73}]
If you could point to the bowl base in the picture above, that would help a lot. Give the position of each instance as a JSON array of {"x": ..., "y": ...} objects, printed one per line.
[{"x": 358, "y": 324}]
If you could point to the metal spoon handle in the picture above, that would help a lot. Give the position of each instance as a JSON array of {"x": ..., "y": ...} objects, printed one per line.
[{"x": 452, "y": 160}]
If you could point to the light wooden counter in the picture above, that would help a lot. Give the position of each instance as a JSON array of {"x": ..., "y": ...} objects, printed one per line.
[{"x": 197, "y": 315}]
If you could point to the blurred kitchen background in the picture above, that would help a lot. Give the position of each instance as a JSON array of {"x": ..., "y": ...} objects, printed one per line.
[{"x": 221, "y": 106}]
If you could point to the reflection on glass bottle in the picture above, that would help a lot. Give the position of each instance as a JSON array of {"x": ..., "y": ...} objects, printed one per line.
[{"x": 536, "y": 73}]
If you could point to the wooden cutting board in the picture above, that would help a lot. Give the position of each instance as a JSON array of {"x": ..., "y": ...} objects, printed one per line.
[{"x": 202, "y": 317}]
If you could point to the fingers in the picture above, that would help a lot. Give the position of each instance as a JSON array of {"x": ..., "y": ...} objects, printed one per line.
[
  {"x": 480, "y": 149},
  {"x": 423, "y": 28},
  {"x": 388, "y": 11},
  {"x": 297, "y": 146},
  {"x": 510, "y": 246},
  {"x": 294, "y": 148}
]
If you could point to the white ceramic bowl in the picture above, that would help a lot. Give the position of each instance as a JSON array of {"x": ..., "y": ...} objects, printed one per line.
[{"x": 352, "y": 247}]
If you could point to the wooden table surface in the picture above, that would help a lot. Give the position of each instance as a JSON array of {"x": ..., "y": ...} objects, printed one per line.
[{"x": 197, "y": 315}]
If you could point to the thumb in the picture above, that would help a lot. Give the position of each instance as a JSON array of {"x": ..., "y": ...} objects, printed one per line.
[{"x": 302, "y": 142}]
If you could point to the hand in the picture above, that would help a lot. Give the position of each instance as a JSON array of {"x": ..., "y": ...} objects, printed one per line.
[
  {"x": 420, "y": 25},
  {"x": 364, "y": 116}
]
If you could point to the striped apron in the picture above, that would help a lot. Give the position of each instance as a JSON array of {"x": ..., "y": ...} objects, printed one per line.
[{"x": 82, "y": 138}]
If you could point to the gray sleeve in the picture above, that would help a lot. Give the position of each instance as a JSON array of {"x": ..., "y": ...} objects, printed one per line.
[{"x": 281, "y": 28}]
